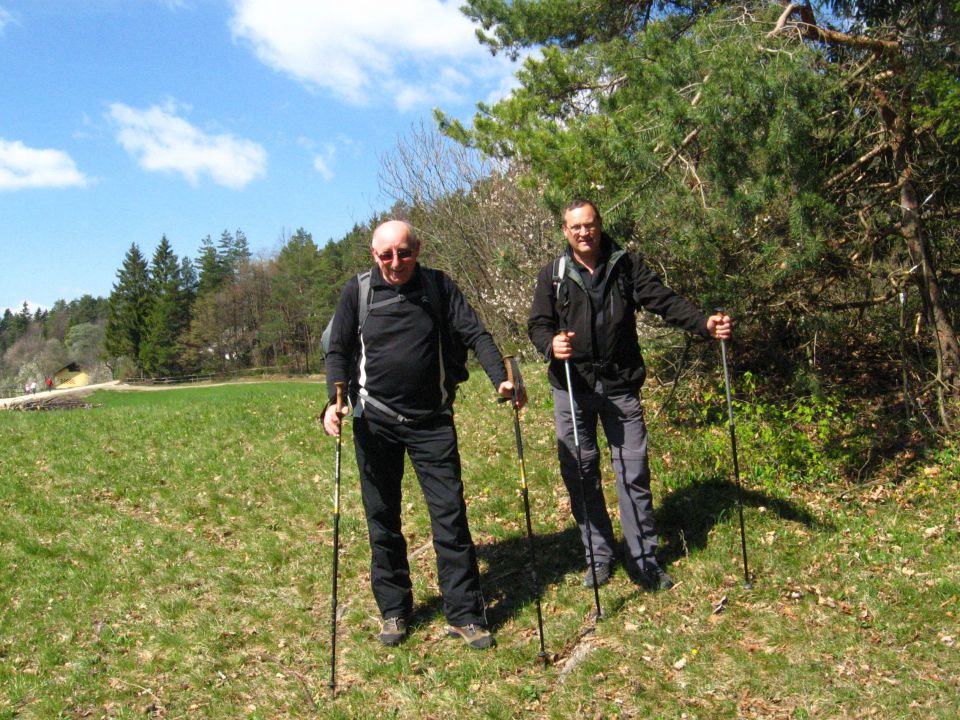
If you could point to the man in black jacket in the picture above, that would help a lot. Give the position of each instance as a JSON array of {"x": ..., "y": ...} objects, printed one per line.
[
  {"x": 584, "y": 312},
  {"x": 401, "y": 383}
]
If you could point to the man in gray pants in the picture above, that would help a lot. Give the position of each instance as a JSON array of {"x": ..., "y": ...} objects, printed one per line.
[{"x": 584, "y": 313}]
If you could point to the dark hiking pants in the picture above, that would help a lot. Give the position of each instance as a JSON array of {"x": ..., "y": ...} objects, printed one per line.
[
  {"x": 432, "y": 447},
  {"x": 622, "y": 420}
]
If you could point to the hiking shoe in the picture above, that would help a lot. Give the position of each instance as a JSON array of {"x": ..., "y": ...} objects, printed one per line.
[
  {"x": 393, "y": 631},
  {"x": 603, "y": 570},
  {"x": 654, "y": 578},
  {"x": 476, "y": 636}
]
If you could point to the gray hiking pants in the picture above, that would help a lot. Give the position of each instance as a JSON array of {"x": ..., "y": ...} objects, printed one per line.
[{"x": 626, "y": 432}]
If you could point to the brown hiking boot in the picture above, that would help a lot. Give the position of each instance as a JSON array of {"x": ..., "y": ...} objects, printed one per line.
[
  {"x": 393, "y": 631},
  {"x": 476, "y": 636}
]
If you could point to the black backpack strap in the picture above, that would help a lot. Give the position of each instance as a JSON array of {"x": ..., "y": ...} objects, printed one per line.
[{"x": 431, "y": 298}]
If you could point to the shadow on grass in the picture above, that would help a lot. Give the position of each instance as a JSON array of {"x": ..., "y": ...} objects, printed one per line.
[
  {"x": 507, "y": 584},
  {"x": 685, "y": 519},
  {"x": 688, "y": 514}
]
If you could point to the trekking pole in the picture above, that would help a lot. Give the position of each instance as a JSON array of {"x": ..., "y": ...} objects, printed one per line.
[
  {"x": 736, "y": 464},
  {"x": 583, "y": 490},
  {"x": 336, "y": 546},
  {"x": 513, "y": 376}
]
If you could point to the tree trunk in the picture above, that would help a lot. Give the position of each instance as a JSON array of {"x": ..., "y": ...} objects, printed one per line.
[{"x": 944, "y": 334}]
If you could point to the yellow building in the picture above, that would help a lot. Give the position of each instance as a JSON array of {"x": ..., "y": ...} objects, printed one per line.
[{"x": 71, "y": 376}]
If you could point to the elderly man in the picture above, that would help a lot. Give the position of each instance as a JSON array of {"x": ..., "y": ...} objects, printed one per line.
[
  {"x": 401, "y": 363},
  {"x": 584, "y": 312}
]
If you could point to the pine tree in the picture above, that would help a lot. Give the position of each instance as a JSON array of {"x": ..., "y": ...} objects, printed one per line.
[
  {"x": 240, "y": 252},
  {"x": 128, "y": 305},
  {"x": 188, "y": 276},
  {"x": 168, "y": 316},
  {"x": 790, "y": 171},
  {"x": 211, "y": 268},
  {"x": 234, "y": 253}
]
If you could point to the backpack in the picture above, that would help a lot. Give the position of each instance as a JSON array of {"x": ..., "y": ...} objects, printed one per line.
[
  {"x": 453, "y": 354},
  {"x": 363, "y": 310}
]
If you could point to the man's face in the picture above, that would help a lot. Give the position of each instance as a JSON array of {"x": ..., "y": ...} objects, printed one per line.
[
  {"x": 394, "y": 253},
  {"x": 581, "y": 228}
]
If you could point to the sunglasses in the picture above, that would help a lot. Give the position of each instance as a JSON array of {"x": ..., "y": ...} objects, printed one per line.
[{"x": 402, "y": 254}]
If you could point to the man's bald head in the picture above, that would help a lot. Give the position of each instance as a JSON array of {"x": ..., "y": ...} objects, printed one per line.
[{"x": 395, "y": 248}]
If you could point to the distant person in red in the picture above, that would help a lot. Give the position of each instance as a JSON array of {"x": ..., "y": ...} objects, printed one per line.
[{"x": 49, "y": 383}]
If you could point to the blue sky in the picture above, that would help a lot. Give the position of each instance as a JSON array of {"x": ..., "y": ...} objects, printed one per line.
[{"x": 125, "y": 120}]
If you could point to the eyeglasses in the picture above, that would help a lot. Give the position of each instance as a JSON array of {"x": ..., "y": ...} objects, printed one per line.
[
  {"x": 402, "y": 254},
  {"x": 589, "y": 227}
]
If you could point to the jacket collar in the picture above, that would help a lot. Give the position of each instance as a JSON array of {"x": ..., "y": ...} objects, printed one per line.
[
  {"x": 376, "y": 279},
  {"x": 608, "y": 248}
]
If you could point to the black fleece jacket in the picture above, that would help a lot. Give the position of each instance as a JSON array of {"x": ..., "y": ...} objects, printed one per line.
[
  {"x": 397, "y": 358},
  {"x": 605, "y": 344}
]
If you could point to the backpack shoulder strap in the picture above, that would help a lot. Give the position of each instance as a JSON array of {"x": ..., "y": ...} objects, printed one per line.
[
  {"x": 559, "y": 269},
  {"x": 363, "y": 309},
  {"x": 561, "y": 293},
  {"x": 363, "y": 297},
  {"x": 366, "y": 304}
]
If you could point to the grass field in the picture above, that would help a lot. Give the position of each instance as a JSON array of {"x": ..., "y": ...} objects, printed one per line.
[{"x": 168, "y": 555}]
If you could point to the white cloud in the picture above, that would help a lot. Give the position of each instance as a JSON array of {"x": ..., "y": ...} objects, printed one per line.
[
  {"x": 164, "y": 142},
  {"x": 25, "y": 167},
  {"x": 322, "y": 165},
  {"x": 324, "y": 158},
  {"x": 367, "y": 49},
  {"x": 5, "y": 19}
]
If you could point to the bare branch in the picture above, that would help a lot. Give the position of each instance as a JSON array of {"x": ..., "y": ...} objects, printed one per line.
[
  {"x": 808, "y": 28},
  {"x": 858, "y": 163}
]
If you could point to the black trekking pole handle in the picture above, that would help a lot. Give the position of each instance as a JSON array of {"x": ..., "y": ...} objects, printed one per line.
[
  {"x": 736, "y": 463},
  {"x": 513, "y": 376},
  {"x": 336, "y": 544}
]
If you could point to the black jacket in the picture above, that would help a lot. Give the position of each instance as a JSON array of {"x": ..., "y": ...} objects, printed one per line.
[
  {"x": 605, "y": 346},
  {"x": 397, "y": 360}
]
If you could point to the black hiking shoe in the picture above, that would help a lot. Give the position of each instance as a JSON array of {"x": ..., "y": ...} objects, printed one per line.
[
  {"x": 653, "y": 579},
  {"x": 393, "y": 631},
  {"x": 476, "y": 636},
  {"x": 603, "y": 571}
]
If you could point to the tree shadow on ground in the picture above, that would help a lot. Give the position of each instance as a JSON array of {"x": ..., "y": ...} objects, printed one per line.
[{"x": 688, "y": 514}]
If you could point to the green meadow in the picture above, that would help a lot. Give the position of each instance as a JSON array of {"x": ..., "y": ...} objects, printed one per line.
[{"x": 168, "y": 555}]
